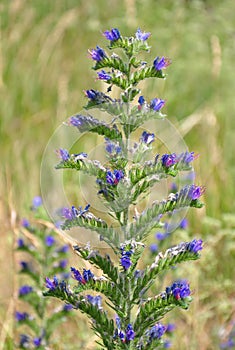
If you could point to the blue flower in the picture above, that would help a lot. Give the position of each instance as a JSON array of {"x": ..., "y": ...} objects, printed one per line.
[
  {"x": 63, "y": 263},
  {"x": 180, "y": 289},
  {"x": 63, "y": 249},
  {"x": 21, "y": 316},
  {"x": 169, "y": 159},
  {"x": 170, "y": 327},
  {"x": 156, "y": 104},
  {"x": 196, "y": 192},
  {"x": 142, "y": 35},
  {"x": 25, "y": 223},
  {"x": 156, "y": 332},
  {"x": 24, "y": 290},
  {"x": 87, "y": 275},
  {"x": 63, "y": 154},
  {"x": 37, "y": 342},
  {"x": 91, "y": 94},
  {"x": 24, "y": 341},
  {"x": 37, "y": 202},
  {"x": 147, "y": 138},
  {"x": 98, "y": 54},
  {"x": 112, "y": 35},
  {"x": 141, "y": 100},
  {"x": 95, "y": 300},
  {"x": 77, "y": 275},
  {"x": 130, "y": 334},
  {"x": 195, "y": 245},
  {"x": 115, "y": 177},
  {"x": 126, "y": 258},
  {"x": 184, "y": 224},
  {"x": 20, "y": 243},
  {"x": 112, "y": 147},
  {"x": 52, "y": 285},
  {"x": 67, "y": 307},
  {"x": 49, "y": 241},
  {"x": 160, "y": 63},
  {"x": 102, "y": 75},
  {"x": 153, "y": 248}
]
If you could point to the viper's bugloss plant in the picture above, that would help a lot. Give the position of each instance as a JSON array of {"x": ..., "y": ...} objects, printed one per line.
[
  {"x": 40, "y": 254},
  {"x": 129, "y": 174}
]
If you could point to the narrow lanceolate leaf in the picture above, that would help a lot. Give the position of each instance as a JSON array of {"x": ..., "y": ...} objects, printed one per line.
[
  {"x": 150, "y": 219},
  {"x": 147, "y": 72},
  {"x": 91, "y": 222},
  {"x": 149, "y": 168},
  {"x": 131, "y": 47},
  {"x": 137, "y": 118},
  {"x": 112, "y": 62},
  {"x": 102, "y": 262},
  {"x": 109, "y": 289},
  {"x": 88, "y": 123},
  {"x": 87, "y": 166},
  {"x": 155, "y": 308},
  {"x": 170, "y": 258}
]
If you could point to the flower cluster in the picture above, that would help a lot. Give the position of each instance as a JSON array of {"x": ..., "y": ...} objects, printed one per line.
[
  {"x": 126, "y": 177},
  {"x": 43, "y": 254}
]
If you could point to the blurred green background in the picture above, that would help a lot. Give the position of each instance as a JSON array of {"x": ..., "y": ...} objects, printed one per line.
[{"x": 44, "y": 68}]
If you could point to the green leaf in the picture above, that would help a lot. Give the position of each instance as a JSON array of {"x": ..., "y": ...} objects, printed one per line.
[
  {"x": 150, "y": 219},
  {"x": 170, "y": 258},
  {"x": 114, "y": 62},
  {"x": 146, "y": 72},
  {"x": 102, "y": 262},
  {"x": 131, "y": 46},
  {"x": 88, "y": 123},
  {"x": 90, "y": 167},
  {"x": 154, "y": 309},
  {"x": 91, "y": 222}
]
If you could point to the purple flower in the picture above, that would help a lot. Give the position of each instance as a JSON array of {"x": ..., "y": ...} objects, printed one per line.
[
  {"x": 180, "y": 289},
  {"x": 91, "y": 94},
  {"x": 21, "y": 316},
  {"x": 115, "y": 177},
  {"x": 187, "y": 157},
  {"x": 161, "y": 63},
  {"x": 160, "y": 236},
  {"x": 77, "y": 275},
  {"x": 63, "y": 154},
  {"x": 184, "y": 224},
  {"x": 170, "y": 327},
  {"x": 63, "y": 263},
  {"x": 156, "y": 104},
  {"x": 112, "y": 147},
  {"x": 195, "y": 245},
  {"x": 24, "y": 290},
  {"x": 24, "y": 340},
  {"x": 37, "y": 342},
  {"x": 142, "y": 35},
  {"x": 49, "y": 241},
  {"x": 195, "y": 192},
  {"x": 52, "y": 285},
  {"x": 63, "y": 249},
  {"x": 87, "y": 275},
  {"x": 97, "y": 54},
  {"x": 130, "y": 334},
  {"x": 166, "y": 344},
  {"x": 67, "y": 214},
  {"x": 75, "y": 120},
  {"x": 228, "y": 344},
  {"x": 25, "y": 222},
  {"x": 126, "y": 259},
  {"x": 67, "y": 307},
  {"x": 153, "y": 248},
  {"x": 147, "y": 138},
  {"x": 141, "y": 100},
  {"x": 95, "y": 300},
  {"x": 102, "y": 75},
  {"x": 37, "y": 202},
  {"x": 169, "y": 159},
  {"x": 112, "y": 35},
  {"x": 20, "y": 243},
  {"x": 24, "y": 265},
  {"x": 157, "y": 331}
]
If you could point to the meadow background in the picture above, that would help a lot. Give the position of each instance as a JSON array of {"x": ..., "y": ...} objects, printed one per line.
[{"x": 44, "y": 68}]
